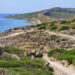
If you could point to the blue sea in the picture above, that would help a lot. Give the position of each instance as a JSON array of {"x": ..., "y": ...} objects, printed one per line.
[{"x": 6, "y": 24}]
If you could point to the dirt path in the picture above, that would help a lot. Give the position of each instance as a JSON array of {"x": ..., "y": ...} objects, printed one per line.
[
  {"x": 59, "y": 69},
  {"x": 12, "y": 35},
  {"x": 49, "y": 32},
  {"x": 60, "y": 34},
  {"x": 15, "y": 34}
]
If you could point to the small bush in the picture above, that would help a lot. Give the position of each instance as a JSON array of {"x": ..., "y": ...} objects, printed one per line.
[
  {"x": 11, "y": 49},
  {"x": 53, "y": 37},
  {"x": 45, "y": 24},
  {"x": 53, "y": 27},
  {"x": 50, "y": 53},
  {"x": 39, "y": 60},
  {"x": 68, "y": 57},
  {"x": 73, "y": 27},
  {"x": 33, "y": 32},
  {"x": 49, "y": 68},
  {"x": 73, "y": 20},
  {"x": 65, "y": 22},
  {"x": 39, "y": 25},
  {"x": 42, "y": 27},
  {"x": 73, "y": 61},
  {"x": 6, "y": 57},
  {"x": 72, "y": 52},
  {"x": 58, "y": 39},
  {"x": 52, "y": 24},
  {"x": 6, "y": 64},
  {"x": 42, "y": 24},
  {"x": 64, "y": 28}
]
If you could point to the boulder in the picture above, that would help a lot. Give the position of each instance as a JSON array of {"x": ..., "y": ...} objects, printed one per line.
[
  {"x": 35, "y": 54},
  {"x": 38, "y": 54},
  {"x": 32, "y": 53},
  {"x": 14, "y": 56}
]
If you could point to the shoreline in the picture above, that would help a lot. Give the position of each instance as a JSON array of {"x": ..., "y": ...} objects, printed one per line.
[
  {"x": 27, "y": 21},
  {"x": 18, "y": 27}
]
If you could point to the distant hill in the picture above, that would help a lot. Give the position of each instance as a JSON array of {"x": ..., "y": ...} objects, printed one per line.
[
  {"x": 2, "y": 15},
  {"x": 47, "y": 15}
]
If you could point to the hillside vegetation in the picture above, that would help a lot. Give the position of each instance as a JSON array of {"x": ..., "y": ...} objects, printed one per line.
[
  {"x": 59, "y": 25},
  {"x": 62, "y": 54},
  {"x": 47, "y": 15},
  {"x": 23, "y": 66}
]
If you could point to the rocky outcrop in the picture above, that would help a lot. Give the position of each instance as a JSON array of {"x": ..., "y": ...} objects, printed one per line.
[
  {"x": 35, "y": 54},
  {"x": 15, "y": 57}
]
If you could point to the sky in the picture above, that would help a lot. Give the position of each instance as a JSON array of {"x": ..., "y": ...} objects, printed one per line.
[{"x": 26, "y": 6}]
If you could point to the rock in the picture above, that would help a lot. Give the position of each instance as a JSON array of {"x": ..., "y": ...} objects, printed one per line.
[
  {"x": 32, "y": 57},
  {"x": 65, "y": 63},
  {"x": 15, "y": 57},
  {"x": 32, "y": 53},
  {"x": 52, "y": 59},
  {"x": 35, "y": 54},
  {"x": 25, "y": 53},
  {"x": 64, "y": 39},
  {"x": 47, "y": 63},
  {"x": 40, "y": 55}
]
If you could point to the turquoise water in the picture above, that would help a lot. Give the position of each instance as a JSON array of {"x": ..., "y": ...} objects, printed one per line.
[{"x": 6, "y": 24}]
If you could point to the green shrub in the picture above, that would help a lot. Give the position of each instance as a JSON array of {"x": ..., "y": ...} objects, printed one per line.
[
  {"x": 65, "y": 22},
  {"x": 42, "y": 24},
  {"x": 5, "y": 64},
  {"x": 42, "y": 27},
  {"x": 6, "y": 57},
  {"x": 58, "y": 39},
  {"x": 68, "y": 57},
  {"x": 33, "y": 32},
  {"x": 39, "y": 25},
  {"x": 38, "y": 62},
  {"x": 52, "y": 24},
  {"x": 73, "y": 61},
  {"x": 45, "y": 24},
  {"x": 53, "y": 51},
  {"x": 64, "y": 28},
  {"x": 72, "y": 52},
  {"x": 53, "y": 27},
  {"x": 73, "y": 27},
  {"x": 11, "y": 49},
  {"x": 73, "y": 20},
  {"x": 49, "y": 68},
  {"x": 53, "y": 37}
]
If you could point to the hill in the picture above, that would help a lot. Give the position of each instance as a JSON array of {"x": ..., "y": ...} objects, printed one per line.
[
  {"x": 57, "y": 38},
  {"x": 46, "y": 15},
  {"x": 42, "y": 36}
]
